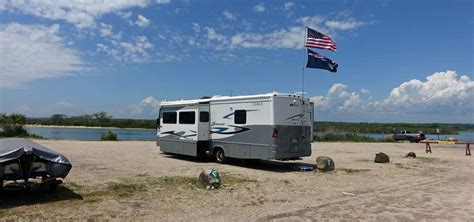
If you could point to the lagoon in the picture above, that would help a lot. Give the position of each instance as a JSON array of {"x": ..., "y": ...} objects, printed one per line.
[{"x": 67, "y": 133}]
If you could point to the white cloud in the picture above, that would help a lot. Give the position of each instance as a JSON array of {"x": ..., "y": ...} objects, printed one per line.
[
  {"x": 443, "y": 97},
  {"x": 142, "y": 21},
  {"x": 213, "y": 35},
  {"x": 260, "y": 7},
  {"x": 136, "y": 51},
  {"x": 290, "y": 37},
  {"x": 344, "y": 25},
  {"x": 148, "y": 103},
  {"x": 283, "y": 38},
  {"x": 229, "y": 15},
  {"x": 196, "y": 27},
  {"x": 288, "y": 8},
  {"x": 32, "y": 52},
  {"x": 124, "y": 15},
  {"x": 442, "y": 92},
  {"x": 364, "y": 91},
  {"x": 80, "y": 13},
  {"x": 64, "y": 104},
  {"x": 105, "y": 30},
  {"x": 338, "y": 99},
  {"x": 163, "y": 1}
]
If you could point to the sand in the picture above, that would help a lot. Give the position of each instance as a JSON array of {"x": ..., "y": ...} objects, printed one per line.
[{"x": 437, "y": 186}]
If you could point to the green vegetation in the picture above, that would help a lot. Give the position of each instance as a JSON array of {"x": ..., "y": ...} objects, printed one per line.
[
  {"x": 12, "y": 126},
  {"x": 348, "y": 137},
  {"x": 109, "y": 136},
  {"x": 145, "y": 183},
  {"x": 389, "y": 128},
  {"x": 99, "y": 119},
  {"x": 102, "y": 119}
]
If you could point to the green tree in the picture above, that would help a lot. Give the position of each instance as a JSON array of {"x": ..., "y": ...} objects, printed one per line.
[
  {"x": 102, "y": 118},
  {"x": 58, "y": 118},
  {"x": 12, "y": 124}
]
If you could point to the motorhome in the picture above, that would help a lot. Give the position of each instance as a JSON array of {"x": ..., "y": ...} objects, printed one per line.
[{"x": 265, "y": 126}]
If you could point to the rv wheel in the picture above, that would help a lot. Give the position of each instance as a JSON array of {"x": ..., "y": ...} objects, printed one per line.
[{"x": 220, "y": 156}]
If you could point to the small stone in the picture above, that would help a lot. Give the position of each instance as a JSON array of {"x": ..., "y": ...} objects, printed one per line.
[
  {"x": 210, "y": 177},
  {"x": 208, "y": 187},
  {"x": 410, "y": 155},
  {"x": 325, "y": 163},
  {"x": 381, "y": 158}
]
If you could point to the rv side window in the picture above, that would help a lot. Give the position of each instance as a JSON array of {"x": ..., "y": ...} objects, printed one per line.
[
  {"x": 169, "y": 117},
  {"x": 240, "y": 116},
  {"x": 203, "y": 117},
  {"x": 187, "y": 117}
]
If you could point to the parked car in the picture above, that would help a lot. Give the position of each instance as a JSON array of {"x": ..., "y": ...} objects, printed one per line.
[{"x": 407, "y": 135}]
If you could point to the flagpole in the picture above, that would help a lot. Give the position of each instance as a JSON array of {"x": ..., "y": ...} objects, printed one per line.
[
  {"x": 304, "y": 54},
  {"x": 302, "y": 81}
]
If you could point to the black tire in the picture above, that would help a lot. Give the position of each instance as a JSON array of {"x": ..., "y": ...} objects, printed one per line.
[
  {"x": 412, "y": 140},
  {"x": 220, "y": 155}
]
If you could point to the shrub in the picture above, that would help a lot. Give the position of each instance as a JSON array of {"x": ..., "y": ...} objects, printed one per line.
[
  {"x": 348, "y": 137},
  {"x": 108, "y": 136},
  {"x": 12, "y": 125}
]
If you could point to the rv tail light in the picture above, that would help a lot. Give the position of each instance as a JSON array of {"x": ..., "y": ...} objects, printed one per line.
[{"x": 275, "y": 133}]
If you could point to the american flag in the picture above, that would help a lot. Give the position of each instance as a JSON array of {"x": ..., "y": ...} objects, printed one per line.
[{"x": 319, "y": 40}]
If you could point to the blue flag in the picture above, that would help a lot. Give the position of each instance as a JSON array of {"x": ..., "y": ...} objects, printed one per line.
[{"x": 318, "y": 61}]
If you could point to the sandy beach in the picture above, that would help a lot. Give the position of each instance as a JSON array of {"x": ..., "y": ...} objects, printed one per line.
[{"x": 133, "y": 180}]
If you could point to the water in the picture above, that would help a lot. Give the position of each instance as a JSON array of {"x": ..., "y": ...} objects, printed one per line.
[
  {"x": 466, "y": 136},
  {"x": 150, "y": 134},
  {"x": 91, "y": 133}
]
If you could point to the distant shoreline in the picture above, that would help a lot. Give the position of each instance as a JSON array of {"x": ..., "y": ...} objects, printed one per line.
[{"x": 81, "y": 127}]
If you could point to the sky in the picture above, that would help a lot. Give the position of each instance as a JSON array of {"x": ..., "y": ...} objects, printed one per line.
[{"x": 399, "y": 61}]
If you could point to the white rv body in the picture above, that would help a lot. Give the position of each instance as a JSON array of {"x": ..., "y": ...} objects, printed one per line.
[{"x": 267, "y": 126}]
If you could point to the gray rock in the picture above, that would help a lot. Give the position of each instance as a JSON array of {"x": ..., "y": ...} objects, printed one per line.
[
  {"x": 382, "y": 158},
  {"x": 325, "y": 163},
  {"x": 210, "y": 178},
  {"x": 410, "y": 155}
]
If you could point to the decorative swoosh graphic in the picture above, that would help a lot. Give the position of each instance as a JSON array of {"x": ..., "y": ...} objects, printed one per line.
[
  {"x": 295, "y": 117},
  {"x": 223, "y": 130},
  {"x": 180, "y": 134}
]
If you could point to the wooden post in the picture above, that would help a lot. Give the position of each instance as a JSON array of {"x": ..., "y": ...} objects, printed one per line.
[
  {"x": 468, "y": 150},
  {"x": 428, "y": 147}
]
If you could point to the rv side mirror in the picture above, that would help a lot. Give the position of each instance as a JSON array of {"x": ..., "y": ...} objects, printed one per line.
[{"x": 158, "y": 123}]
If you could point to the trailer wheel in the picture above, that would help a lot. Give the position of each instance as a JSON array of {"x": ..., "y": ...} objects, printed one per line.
[
  {"x": 412, "y": 140},
  {"x": 220, "y": 155}
]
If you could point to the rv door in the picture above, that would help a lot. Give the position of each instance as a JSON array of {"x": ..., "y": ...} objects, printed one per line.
[
  {"x": 158, "y": 124},
  {"x": 204, "y": 122}
]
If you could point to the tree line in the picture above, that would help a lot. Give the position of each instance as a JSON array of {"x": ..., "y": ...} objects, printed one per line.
[
  {"x": 390, "y": 128},
  {"x": 98, "y": 119},
  {"x": 102, "y": 119}
]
